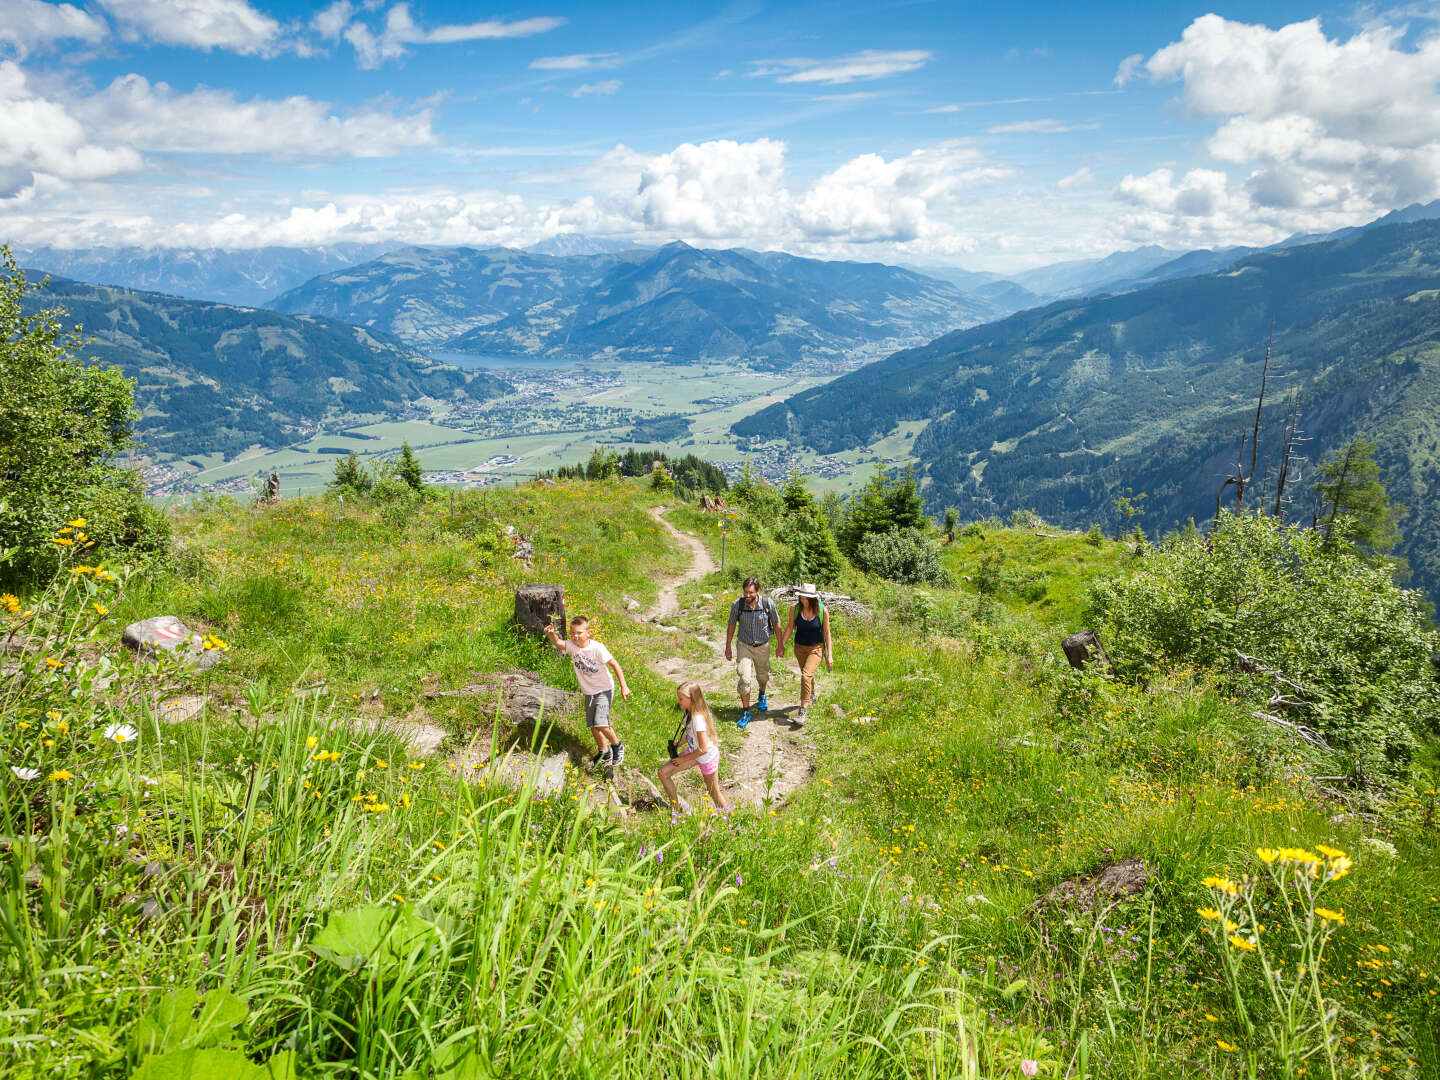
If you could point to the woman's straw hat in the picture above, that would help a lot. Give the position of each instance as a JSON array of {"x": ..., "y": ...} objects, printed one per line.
[{"x": 808, "y": 591}]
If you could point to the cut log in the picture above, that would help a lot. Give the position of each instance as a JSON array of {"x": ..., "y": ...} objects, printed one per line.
[
  {"x": 1083, "y": 647},
  {"x": 538, "y": 606}
]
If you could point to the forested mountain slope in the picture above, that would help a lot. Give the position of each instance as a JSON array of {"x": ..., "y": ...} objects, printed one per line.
[
  {"x": 217, "y": 379},
  {"x": 1061, "y": 408}
]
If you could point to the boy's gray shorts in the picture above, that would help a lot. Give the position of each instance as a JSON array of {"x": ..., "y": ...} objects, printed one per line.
[{"x": 597, "y": 708}]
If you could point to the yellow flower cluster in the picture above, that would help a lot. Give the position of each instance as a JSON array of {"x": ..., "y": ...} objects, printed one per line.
[
  {"x": 1331, "y": 862},
  {"x": 210, "y": 641}
]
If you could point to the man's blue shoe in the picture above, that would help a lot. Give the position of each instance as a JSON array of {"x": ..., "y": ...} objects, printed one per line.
[
  {"x": 744, "y": 720},
  {"x": 762, "y": 704}
]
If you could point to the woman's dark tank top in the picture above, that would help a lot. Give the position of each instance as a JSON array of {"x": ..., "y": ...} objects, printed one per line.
[{"x": 810, "y": 631}]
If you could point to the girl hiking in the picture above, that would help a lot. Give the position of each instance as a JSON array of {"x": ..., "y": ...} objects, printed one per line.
[
  {"x": 810, "y": 626},
  {"x": 702, "y": 748}
]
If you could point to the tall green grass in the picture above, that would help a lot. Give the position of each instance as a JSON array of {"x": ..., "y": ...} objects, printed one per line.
[{"x": 223, "y": 889}]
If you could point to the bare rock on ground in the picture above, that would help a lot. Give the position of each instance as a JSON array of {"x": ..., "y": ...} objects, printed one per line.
[
  {"x": 175, "y": 710},
  {"x": 1113, "y": 881},
  {"x": 167, "y": 634},
  {"x": 520, "y": 696},
  {"x": 423, "y": 739}
]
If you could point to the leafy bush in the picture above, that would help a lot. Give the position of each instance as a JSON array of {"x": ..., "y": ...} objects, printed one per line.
[
  {"x": 906, "y": 556},
  {"x": 62, "y": 425},
  {"x": 1354, "y": 647},
  {"x": 1025, "y": 519}
]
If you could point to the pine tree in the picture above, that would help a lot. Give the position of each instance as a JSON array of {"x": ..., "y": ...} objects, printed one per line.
[
  {"x": 952, "y": 521},
  {"x": 351, "y": 478},
  {"x": 796, "y": 495},
  {"x": 904, "y": 504},
  {"x": 1350, "y": 489},
  {"x": 408, "y": 467}
]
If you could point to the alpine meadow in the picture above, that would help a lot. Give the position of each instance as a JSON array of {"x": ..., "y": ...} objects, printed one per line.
[{"x": 634, "y": 541}]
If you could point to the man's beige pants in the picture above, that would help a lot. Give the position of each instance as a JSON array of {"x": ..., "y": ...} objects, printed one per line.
[{"x": 754, "y": 668}]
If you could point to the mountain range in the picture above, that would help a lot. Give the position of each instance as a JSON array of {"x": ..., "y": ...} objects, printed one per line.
[
  {"x": 247, "y": 278},
  {"x": 212, "y": 378},
  {"x": 677, "y": 303},
  {"x": 1061, "y": 408}
]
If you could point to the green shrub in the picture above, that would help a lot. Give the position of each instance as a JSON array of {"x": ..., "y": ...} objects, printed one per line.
[
  {"x": 906, "y": 556},
  {"x": 62, "y": 425},
  {"x": 1095, "y": 536},
  {"x": 1354, "y": 648}
]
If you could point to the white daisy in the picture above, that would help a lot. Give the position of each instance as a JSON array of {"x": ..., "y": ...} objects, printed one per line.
[
  {"x": 121, "y": 733},
  {"x": 22, "y": 773}
]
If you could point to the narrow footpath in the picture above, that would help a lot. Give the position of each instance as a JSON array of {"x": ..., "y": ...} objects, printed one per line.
[{"x": 770, "y": 759}]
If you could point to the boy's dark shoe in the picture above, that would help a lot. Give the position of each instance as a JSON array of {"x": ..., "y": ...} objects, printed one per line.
[
  {"x": 600, "y": 760},
  {"x": 617, "y": 754}
]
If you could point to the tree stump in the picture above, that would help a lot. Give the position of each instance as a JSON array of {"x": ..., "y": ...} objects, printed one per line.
[
  {"x": 1083, "y": 647},
  {"x": 538, "y": 606}
]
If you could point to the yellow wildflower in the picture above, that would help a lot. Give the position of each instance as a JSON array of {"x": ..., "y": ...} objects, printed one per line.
[
  {"x": 62, "y": 774},
  {"x": 1267, "y": 855},
  {"x": 1225, "y": 1046},
  {"x": 52, "y": 715},
  {"x": 53, "y": 662},
  {"x": 1329, "y": 852},
  {"x": 1224, "y": 884},
  {"x": 1242, "y": 943},
  {"x": 100, "y": 609},
  {"x": 63, "y": 541},
  {"x": 1340, "y": 866},
  {"x": 78, "y": 523},
  {"x": 405, "y": 798},
  {"x": 1208, "y": 913},
  {"x": 310, "y": 742},
  {"x": 10, "y": 602},
  {"x": 1331, "y": 916},
  {"x": 377, "y": 807}
]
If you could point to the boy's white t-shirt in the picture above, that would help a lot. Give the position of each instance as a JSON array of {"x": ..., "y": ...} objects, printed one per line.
[{"x": 590, "y": 670}]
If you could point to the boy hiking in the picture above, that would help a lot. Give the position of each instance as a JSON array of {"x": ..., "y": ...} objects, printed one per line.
[
  {"x": 757, "y": 621},
  {"x": 590, "y": 659}
]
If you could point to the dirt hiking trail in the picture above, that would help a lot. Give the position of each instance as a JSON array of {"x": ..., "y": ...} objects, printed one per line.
[{"x": 770, "y": 758}]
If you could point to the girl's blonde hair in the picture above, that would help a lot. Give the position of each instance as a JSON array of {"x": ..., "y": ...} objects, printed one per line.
[{"x": 695, "y": 694}]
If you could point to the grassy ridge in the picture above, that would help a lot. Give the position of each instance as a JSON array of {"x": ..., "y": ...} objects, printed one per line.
[{"x": 377, "y": 919}]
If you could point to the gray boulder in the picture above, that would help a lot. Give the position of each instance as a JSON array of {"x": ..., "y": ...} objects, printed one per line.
[{"x": 167, "y": 634}]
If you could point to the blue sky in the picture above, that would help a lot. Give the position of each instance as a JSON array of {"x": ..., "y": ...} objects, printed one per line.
[{"x": 992, "y": 137}]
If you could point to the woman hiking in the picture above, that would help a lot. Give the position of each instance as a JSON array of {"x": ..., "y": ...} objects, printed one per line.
[{"x": 809, "y": 625}]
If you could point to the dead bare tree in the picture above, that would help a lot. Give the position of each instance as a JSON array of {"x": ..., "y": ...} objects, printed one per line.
[
  {"x": 1240, "y": 478},
  {"x": 1291, "y": 435}
]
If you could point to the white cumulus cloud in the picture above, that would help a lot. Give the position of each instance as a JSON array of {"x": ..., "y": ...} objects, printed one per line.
[
  {"x": 40, "y": 137},
  {"x": 870, "y": 199},
  {"x": 865, "y": 64},
  {"x": 716, "y": 189},
  {"x": 1325, "y": 132},
  {"x": 27, "y": 25},
  {"x": 1082, "y": 177},
  {"x": 231, "y": 25}
]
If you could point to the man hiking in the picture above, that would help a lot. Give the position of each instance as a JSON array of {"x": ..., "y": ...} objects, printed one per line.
[{"x": 756, "y": 619}]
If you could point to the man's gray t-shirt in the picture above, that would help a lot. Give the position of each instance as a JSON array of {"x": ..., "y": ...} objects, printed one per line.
[{"x": 755, "y": 623}]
